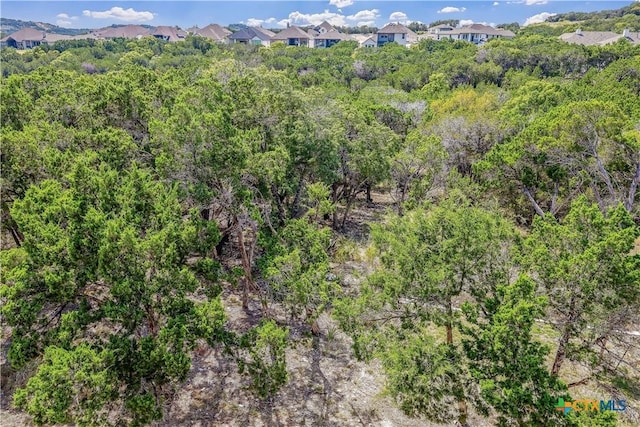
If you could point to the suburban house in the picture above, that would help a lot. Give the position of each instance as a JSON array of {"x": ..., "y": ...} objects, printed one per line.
[
  {"x": 125, "y": 32},
  {"x": 369, "y": 42},
  {"x": 329, "y": 38},
  {"x": 169, "y": 34},
  {"x": 396, "y": 33},
  {"x": 294, "y": 36},
  {"x": 599, "y": 38},
  {"x": 213, "y": 32},
  {"x": 252, "y": 35},
  {"x": 28, "y": 38},
  {"x": 439, "y": 31},
  {"x": 323, "y": 28},
  {"x": 474, "y": 33}
]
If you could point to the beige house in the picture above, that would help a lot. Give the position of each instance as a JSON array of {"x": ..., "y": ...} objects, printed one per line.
[
  {"x": 213, "y": 32},
  {"x": 294, "y": 36},
  {"x": 396, "y": 33},
  {"x": 474, "y": 33},
  {"x": 28, "y": 38}
]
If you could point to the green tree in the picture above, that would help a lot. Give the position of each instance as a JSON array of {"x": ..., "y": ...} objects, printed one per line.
[{"x": 583, "y": 264}]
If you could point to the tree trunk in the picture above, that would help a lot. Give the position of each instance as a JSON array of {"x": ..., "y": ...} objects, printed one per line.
[
  {"x": 449, "y": 324},
  {"x": 633, "y": 188},
  {"x": 350, "y": 198},
  {"x": 246, "y": 266},
  {"x": 564, "y": 339},
  {"x": 17, "y": 238},
  {"x": 535, "y": 204},
  {"x": 278, "y": 199},
  {"x": 369, "y": 198}
]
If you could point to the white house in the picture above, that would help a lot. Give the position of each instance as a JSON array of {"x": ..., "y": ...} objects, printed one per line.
[{"x": 396, "y": 33}]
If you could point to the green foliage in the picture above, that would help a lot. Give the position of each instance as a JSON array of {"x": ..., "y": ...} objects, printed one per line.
[
  {"x": 262, "y": 356},
  {"x": 69, "y": 386}
]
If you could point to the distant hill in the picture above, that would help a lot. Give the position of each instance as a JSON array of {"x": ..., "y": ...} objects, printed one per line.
[{"x": 8, "y": 26}]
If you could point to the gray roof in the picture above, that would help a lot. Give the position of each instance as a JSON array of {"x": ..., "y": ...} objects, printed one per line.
[
  {"x": 396, "y": 29},
  {"x": 213, "y": 32},
  {"x": 326, "y": 26},
  {"x": 127, "y": 32},
  {"x": 170, "y": 33},
  {"x": 600, "y": 38},
  {"x": 292, "y": 33},
  {"x": 250, "y": 33}
]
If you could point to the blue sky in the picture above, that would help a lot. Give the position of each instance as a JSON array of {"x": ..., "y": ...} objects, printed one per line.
[{"x": 276, "y": 14}]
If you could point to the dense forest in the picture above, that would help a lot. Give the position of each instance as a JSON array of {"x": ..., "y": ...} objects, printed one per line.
[{"x": 167, "y": 203}]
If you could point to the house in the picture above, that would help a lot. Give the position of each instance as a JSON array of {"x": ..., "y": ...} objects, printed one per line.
[
  {"x": 474, "y": 33},
  {"x": 169, "y": 34},
  {"x": 599, "y": 38},
  {"x": 213, "y": 32},
  {"x": 28, "y": 38},
  {"x": 329, "y": 38},
  {"x": 369, "y": 42},
  {"x": 396, "y": 33},
  {"x": 438, "y": 31},
  {"x": 252, "y": 35},
  {"x": 125, "y": 32},
  {"x": 294, "y": 36},
  {"x": 324, "y": 28}
]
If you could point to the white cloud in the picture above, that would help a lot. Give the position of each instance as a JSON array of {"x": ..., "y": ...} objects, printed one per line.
[
  {"x": 254, "y": 22},
  {"x": 365, "y": 15},
  {"x": 535, "y": 2},
  {"x": 398, "y": 17},
  {"x": 451, "y": 9},
  {"x": 370, "y": 23},
  {"x": 536, "y": 19},
  {"x": 495, "y": 3},
  {"x": 120, "y": 14},
  {"x": 270, "y": 20},
  {"x": 341, "y": 3},
  {"x": 64, "y": 20}
]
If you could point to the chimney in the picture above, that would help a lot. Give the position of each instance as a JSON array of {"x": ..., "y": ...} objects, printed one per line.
[
  {"x": 579, "y": 31},
  {"x": 626, "y": 33}
]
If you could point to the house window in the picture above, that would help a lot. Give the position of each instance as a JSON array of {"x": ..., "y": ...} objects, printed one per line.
[{"x": 403, "y": 37}]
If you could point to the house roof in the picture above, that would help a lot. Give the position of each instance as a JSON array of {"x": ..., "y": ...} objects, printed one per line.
[
  {"x": 260, "y": 30},
  {"x": 326, "y": 26},
  {"x": 170, "y": 33},
  {"x": 598, "y": 37},
  {"x": 126, "y": 31},
  {"x": 26, "y": 34},
  {"x": 481, "y": 29},
  {"x": 333, "y": 35},
  {"x": 368, "y": 39},
  {"x": 445, "y": 27},
  {"x": 395, "y": 29},
  {"x": 252, "y": 32},
  {"x": 292, "y": 33},
  {"x": 52, "y": 38},
  {"x": 213, "y": 32}
]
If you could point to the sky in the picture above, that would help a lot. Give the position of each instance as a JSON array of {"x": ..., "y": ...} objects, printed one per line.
[{"x": 278, "y": 13}]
